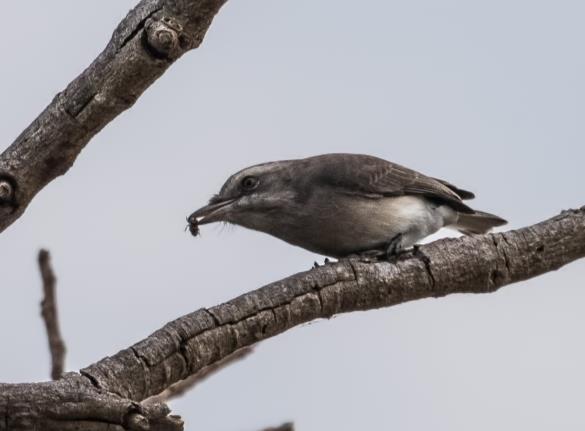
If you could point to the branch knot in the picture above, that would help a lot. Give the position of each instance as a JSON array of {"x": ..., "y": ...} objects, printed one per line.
[
  {"x": 6, "y": 192},
  {"x": 165, "y": 38}
]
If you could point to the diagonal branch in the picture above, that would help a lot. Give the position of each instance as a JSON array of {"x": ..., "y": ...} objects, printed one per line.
[
  {"x": 151, "y": 37},
  {"x": 478, "y": 264},
  {"x": 106, "y": 395},
  {"x": 50, "y": 316}
]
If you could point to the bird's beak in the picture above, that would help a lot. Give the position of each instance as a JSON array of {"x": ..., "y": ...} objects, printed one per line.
[{"x": 211, "y": 213}]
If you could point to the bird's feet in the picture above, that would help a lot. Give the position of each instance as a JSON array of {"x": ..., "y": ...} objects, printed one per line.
[
  {"x": 325, "y": 262},
  {"x": 394, "y": 247},
  {"x": 389, "y": 252},
  {"x": 371, "y": 255}
]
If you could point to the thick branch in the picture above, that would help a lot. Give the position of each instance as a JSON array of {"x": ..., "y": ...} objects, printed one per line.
[
  {"x": 106, "y": 395},
  {"x": 151, "y": 37},
  {"x": 74, "y": 404},
  {"x": 477, "y": 264},
  {"x": 51, "y": 317}
]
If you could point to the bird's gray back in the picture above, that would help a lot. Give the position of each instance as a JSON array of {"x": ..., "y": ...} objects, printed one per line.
[{"x": 373, "y": 177}]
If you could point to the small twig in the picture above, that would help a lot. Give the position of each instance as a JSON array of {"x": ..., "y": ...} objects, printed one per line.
[
  {"x": 289, "y": 426},
  {"x": 180, "y": 388},
  {"x": 50, "y": 316}
]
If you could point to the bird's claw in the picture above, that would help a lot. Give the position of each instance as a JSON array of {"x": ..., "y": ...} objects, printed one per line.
[
  {"x": 325, "y": 262},
  {"x": 394, "y": 247}
]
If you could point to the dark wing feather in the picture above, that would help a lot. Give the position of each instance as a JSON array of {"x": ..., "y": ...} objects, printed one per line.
[
  {"x": 463, "y": 194},
  {"x": 373, "y": 177}
]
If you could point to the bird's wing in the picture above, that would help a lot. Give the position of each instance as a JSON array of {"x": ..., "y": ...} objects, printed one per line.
[
  {"x": 463, "y": 194},
  {"x": 373, "y": 177}
]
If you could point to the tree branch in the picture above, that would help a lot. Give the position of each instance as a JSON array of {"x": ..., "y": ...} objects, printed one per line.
[
  {"x": 476, "y": 264},
  {"x": 108, "y": 392},
  {"x": 151, "y": 37},
  {"x": 288, "y": 426},
  {"x": 51, "y": 316},
  {"x": 73, "y": 404}
]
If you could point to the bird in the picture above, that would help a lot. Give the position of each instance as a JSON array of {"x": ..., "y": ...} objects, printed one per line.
[{"x": 339, "y": 205}]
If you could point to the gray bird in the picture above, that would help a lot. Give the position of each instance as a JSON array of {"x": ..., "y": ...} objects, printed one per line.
[{"x": 342, "y": 204}]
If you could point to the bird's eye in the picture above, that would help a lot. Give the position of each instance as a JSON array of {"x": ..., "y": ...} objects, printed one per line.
[{"x": 250, "y": 183}]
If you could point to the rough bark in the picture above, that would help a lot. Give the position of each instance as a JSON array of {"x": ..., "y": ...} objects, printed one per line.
[
  {"x": 108, "y": 392},
  {"x": 151, "y": 37},
  {"x": 73, "y": 403}
]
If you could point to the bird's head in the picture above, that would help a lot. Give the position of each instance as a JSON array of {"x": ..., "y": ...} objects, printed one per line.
[{"x": 251, "y": 198}]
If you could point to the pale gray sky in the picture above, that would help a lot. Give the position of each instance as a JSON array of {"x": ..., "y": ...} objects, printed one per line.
[{"x": 488, "y": 95}]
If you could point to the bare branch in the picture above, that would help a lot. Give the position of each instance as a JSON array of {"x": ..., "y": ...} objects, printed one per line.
[
  {"x": 288, "y": 426},
  {"x": 183, "y": 386},
  {"x": 105, "y": 396},
  {"x": 151, "y": 37},
  {"x": 51, "y": 316},
  {"x": 73, "y": 403},
  {"x": 478, "y": 264}
]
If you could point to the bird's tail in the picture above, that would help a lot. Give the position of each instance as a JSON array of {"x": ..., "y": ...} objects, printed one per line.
[{"x": 477, "y": 222}]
